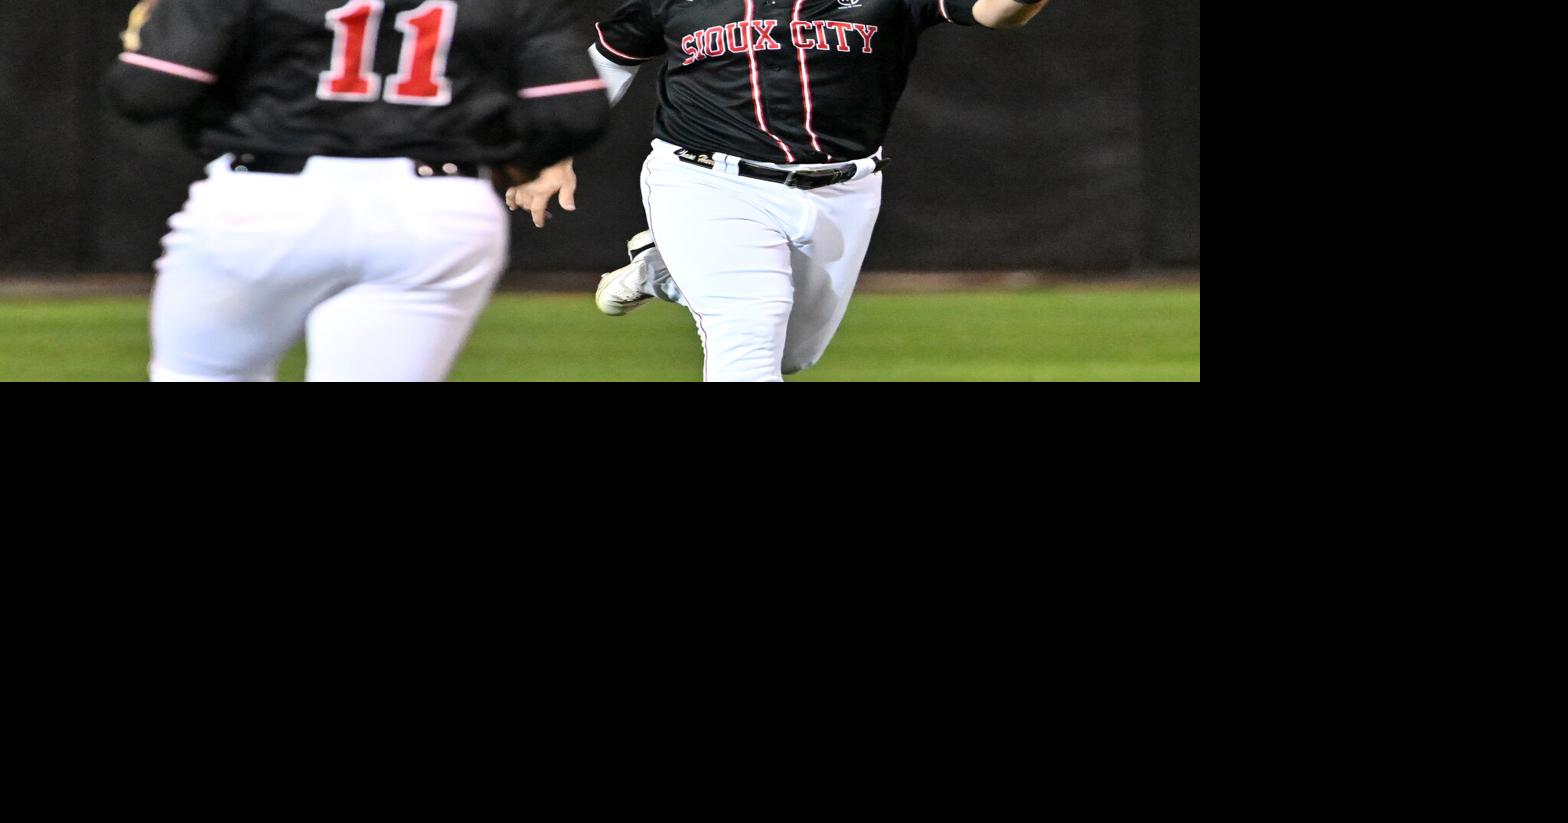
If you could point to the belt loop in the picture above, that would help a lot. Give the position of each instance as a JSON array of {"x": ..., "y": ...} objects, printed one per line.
[{"x": 728, "y": 164}]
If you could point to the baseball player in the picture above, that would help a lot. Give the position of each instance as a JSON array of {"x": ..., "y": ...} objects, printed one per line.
[
  {"x": 347, "y": 204},
  {"x": 764, "y": 182}
]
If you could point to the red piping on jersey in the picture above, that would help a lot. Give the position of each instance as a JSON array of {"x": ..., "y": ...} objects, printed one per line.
[
  {"x": 805, "y": 78},
  {"x": 558, "y": 89},
  {"x": 611, "y": 49},
  {"x": 168, "y": 68},
  {"x": 756, "y": 84}
]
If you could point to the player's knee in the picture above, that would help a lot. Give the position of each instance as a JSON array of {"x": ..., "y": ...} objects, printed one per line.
[
  {"x": 163, "y": 374},
  {"x": 743, "y": 370},
  {"x": 737, "y": 360}
]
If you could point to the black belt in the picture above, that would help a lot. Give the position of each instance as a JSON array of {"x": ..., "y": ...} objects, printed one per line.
[
  {"x": 295, "y": 164},
  {"x": 807, "y": 179}
]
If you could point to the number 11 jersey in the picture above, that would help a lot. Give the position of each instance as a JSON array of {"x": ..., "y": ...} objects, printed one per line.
[{"x": 452, "y": 80}]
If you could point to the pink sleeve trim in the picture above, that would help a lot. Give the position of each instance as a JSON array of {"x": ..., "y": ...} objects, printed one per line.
[
  {"x": 166, "y": 67},
  {"x": 559, "y": 89}
]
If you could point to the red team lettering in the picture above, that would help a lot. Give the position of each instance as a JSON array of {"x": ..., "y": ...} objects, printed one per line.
[{"x": 741, "y": 38}]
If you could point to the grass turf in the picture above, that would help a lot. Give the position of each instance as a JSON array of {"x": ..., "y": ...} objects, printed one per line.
[{"x": 1068, "y": 335}]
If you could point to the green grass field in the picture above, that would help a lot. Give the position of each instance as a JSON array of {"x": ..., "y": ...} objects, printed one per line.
[{"x": 1058, "y": 335}]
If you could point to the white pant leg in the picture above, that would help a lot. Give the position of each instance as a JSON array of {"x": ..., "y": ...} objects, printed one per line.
[
  {"x": 657, "y": 282},
  {"x": 726, "y": 243},
  {"x": 827, "y": 262},
  {"x": 243, "y": 267},
  {"x": 388, "y": 272},
  {"x": 434, "y": 251}
]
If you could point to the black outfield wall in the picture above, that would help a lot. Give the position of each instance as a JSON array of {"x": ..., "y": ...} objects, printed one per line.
[{"x": 1073, "y": 144}]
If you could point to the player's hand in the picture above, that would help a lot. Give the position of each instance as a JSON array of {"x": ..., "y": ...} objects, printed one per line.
[{"x": 559, "y": 180}]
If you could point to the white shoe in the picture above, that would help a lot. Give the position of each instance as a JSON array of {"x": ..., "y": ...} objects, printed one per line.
[{"x": 621, "y": 292}]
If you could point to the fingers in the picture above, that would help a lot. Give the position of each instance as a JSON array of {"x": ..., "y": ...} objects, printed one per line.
[
  {"x": 539, "y": 206},
  {"x": 569, "y": 194},
  {"x": 519, "y": 198},
  {"x": 534, "y": 197}
]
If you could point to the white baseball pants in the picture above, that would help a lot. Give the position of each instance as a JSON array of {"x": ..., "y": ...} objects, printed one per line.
[
  {"x": 766, "y": 270},
  {"x": 381, "y": 272}
]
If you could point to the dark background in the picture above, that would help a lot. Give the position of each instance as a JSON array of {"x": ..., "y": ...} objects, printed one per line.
[{"x": 1070, "y": 145}]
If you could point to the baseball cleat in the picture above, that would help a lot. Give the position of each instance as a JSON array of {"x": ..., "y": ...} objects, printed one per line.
[{"x": 622, "y": 291}]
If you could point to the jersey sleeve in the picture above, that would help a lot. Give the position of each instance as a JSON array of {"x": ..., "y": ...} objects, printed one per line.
[
  {"x": 928, "y": 13},
  {"x": 547, "y": 48},
  {"x": 632, "y": 35},
  {"x": 190, "y": 39},
  {"x": 563, "y": 104},
  {"x": 174, "y": 51}
]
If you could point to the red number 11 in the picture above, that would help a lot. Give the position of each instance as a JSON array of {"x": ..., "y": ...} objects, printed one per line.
[{"x": 421, "y": 77}]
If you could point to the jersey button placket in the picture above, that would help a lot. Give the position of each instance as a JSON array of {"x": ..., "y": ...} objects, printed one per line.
[
  {"x": 769, "y": 77},
  {"x": 778, "y": 80}
]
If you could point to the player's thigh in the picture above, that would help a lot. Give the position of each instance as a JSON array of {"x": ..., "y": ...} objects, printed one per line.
[
  {"x": 827, "y": 264},
  {"x": 730, "y": 258},
  {"x": 376, "y": 333},
  {"x": 409, "y": 328},
  {"x": 432, "y": 233},
  {"x": 242, "y": 269}
]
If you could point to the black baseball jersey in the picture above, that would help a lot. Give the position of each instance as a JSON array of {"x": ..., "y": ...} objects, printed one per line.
[
  {"x": 794, "y": 81},
  {"x": 463, "y": 80}
]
